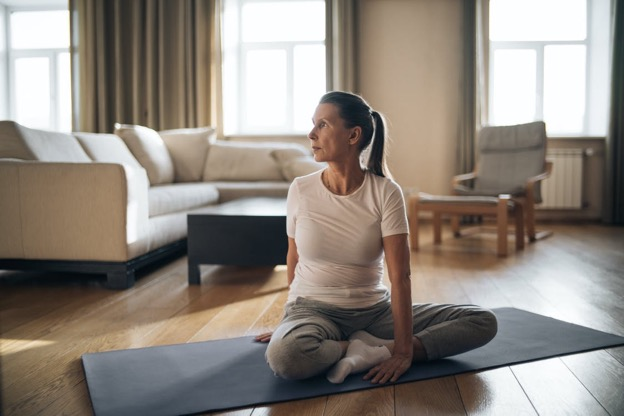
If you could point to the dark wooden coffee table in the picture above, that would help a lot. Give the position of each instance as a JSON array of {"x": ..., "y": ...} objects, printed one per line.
[{"x": 243, "y": 232}]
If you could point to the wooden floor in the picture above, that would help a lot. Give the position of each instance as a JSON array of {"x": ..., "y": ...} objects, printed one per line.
[{"x": 48, "y": 321}]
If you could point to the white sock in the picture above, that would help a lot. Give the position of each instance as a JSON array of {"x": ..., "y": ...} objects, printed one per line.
[
  {"x": 359, "y": 357},
  {"x": 370, "y": 339}
]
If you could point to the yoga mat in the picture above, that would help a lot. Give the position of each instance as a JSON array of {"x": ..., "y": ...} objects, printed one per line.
[{"x": 224, "y": 374}]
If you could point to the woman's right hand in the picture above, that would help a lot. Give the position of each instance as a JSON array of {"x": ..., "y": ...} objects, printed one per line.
[{"x": 266, "y": 337}]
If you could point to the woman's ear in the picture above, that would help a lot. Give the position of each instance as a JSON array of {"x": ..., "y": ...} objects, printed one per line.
[{"x": 356, "y": 134}]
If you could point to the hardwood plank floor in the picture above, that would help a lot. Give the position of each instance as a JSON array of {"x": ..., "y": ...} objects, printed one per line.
[{"x": 47, "y": 321}]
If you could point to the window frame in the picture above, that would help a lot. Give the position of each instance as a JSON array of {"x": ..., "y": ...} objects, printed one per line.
[
  {"x": 539, "y": 47},
  {"x": 242, "y": 127},
  {"x": 51, "y": 54}
]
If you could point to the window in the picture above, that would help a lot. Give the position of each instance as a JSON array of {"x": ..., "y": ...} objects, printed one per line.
[
  {"x": 39, "y": 69},
  {"x": 274, "y": 66},
  {"x": 549, "y": 60}
]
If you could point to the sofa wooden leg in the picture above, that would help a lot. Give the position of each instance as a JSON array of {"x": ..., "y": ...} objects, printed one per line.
[{"x": 120, "y": 279}]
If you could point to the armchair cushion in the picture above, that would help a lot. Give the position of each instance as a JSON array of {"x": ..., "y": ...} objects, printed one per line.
[
  {"x": 509, "y": 155},
  {"x": 150, "y": 150},
  {"x": 512, "y": 138}
]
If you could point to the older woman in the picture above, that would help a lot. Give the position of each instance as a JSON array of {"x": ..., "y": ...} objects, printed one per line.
[{"x": 342, "y": 222}]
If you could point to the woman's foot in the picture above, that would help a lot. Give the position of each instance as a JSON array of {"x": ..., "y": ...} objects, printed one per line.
[{"x": 359, "y": 357}]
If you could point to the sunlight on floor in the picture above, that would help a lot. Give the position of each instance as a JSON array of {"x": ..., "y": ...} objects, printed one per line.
[{"x": 11, "y": 346}]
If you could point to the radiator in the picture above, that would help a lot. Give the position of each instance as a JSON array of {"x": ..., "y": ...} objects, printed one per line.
[{"x": 563, "y": 189}]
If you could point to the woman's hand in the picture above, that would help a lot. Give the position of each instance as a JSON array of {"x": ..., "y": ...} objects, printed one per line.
[
  {"x": 266, "y": 337},
  {"x": 389, "y": 370}
]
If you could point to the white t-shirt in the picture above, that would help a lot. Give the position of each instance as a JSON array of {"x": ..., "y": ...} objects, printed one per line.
[{"x": 339, "y": 239}]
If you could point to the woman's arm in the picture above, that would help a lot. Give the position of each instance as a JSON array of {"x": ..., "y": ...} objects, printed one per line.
[
  {"x": 397, "y": 255},
  {"x": 292, "y": 258}
]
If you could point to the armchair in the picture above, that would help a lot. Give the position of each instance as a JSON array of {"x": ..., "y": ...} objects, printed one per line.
[{"x": 511, "y": 164}]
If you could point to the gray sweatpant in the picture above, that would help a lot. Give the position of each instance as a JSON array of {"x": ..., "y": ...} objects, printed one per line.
[{"x": 305, "y": 343}]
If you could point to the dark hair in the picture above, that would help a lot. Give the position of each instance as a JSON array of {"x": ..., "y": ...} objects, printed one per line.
[{"x": 355, "y": 111}]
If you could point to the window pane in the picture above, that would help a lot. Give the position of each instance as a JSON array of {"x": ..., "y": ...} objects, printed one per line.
[
  {"x": 513, "y": 92},
  {"x": 63, "y": 82},
  {"x": 309, "y": 83},
  {"x": 265, "y": 85},
  {"x": 274, "y": 67},
  {"x": 517, "y": 20},
  {"x": 38, "y": 30},
  {"x": 283, "y": 21},
  {"x": 564, "y": 88},
  {"x": 32, "y": 92}
]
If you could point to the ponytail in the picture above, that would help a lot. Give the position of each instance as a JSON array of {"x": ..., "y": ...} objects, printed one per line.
[{"x": 376, "y": 160}]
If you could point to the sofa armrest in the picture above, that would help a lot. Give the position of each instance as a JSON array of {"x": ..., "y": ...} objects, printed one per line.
[{"x": 72, "y": 211}]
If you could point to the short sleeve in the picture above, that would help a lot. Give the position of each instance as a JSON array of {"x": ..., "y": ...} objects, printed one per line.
[
  {"x": 394, "y": 217},
  {"x": 292, "y": 206}
]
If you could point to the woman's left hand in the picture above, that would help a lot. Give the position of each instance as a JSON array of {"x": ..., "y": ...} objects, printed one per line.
[
  {"x": 266, "y": 337},
  {"x": 389, "y": 370}
]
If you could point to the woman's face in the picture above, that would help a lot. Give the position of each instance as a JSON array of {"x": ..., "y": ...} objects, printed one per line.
[{"x": 330, "y": 139}]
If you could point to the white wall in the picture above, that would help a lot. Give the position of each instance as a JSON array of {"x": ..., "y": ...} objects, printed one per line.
[
  {"x": 409, "y": 66},
  {"x": 409, "y": 69}
]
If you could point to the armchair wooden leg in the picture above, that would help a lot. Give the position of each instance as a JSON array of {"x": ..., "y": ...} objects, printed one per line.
[
  {"x": 532, "y": 233},
  {"x": 437, "y": 227},
  {"x": 455, "y": 225},
  {"x": 530, "y": 222},
  {"x": 519, "y": 216},
  {"x": 502, "y": 224}
]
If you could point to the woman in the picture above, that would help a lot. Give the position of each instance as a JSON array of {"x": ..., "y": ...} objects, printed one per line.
[{"x": 342, "y": 221}]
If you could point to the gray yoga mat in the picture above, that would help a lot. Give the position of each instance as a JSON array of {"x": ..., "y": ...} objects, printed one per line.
[{"x": 225, "y": 374}]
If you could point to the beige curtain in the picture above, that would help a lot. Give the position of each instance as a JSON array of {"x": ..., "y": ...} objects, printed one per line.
[
  {"x": 341, "y": 47},
  {"x": 474, "y": 82},
  {"x": 474, "y": 86},
  {"x": 148, "y": 62}
]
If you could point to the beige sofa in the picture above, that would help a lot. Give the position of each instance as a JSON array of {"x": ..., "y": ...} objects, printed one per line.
[{"x": 112, "y": 203}]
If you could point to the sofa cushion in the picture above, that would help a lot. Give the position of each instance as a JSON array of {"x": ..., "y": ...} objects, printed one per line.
[
  {"x": 19, "y": 142},
  {"x": 107, "y": 148},
  {"x": 149, "y": 149},
  {"x": 244, "y": 161},
  {"x": 234, "y": 190},
  {"x": 167, "y": 199},
  {"x": 188, "y": 149},
  {"x": 293, "y": 164}
]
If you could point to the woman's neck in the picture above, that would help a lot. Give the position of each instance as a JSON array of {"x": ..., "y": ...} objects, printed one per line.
[{"x": 344, "y": 180}]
